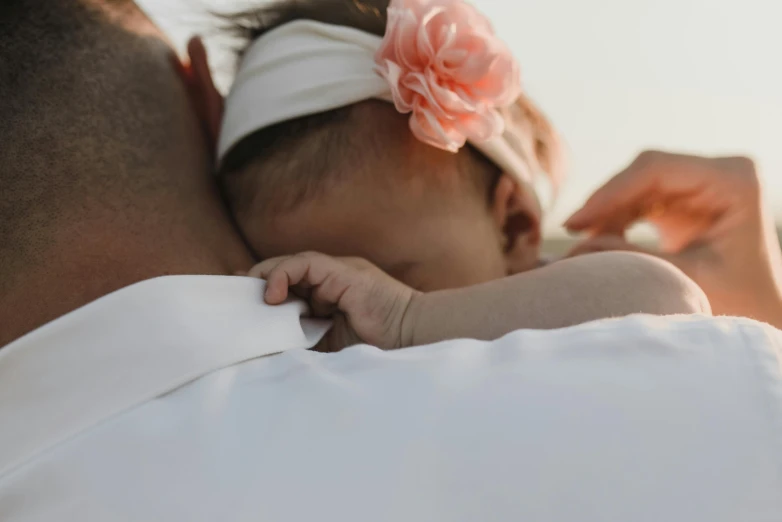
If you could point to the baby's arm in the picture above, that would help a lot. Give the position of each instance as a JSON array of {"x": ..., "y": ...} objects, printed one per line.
[
  {"x": 380, "y": 310},
  {"x": 562, "y": 294}
]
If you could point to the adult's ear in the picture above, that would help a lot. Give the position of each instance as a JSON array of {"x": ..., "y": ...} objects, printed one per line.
[
  {"x": 519, "y": 225},
  {"x": 207, "y": 99}
]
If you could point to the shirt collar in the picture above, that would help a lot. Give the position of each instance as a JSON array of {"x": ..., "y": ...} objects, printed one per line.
[{"x": 131, "y": 346}]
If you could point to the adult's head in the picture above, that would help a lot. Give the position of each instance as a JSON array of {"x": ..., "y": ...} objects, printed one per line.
[
  {"x": 346, "y": 176},
  {"x": 104, "y": 165}
]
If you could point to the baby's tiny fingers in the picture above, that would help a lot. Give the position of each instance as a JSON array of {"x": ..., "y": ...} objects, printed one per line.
[
  {"x": 300, "y": 274},
  {"x": 292, "y": 271},
  {"x": 277, "y": 283},
  {"x": 264, "y": 268}
]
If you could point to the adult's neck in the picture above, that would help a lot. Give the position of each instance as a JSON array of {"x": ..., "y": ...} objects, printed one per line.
[{"x": 88, "y": 262}]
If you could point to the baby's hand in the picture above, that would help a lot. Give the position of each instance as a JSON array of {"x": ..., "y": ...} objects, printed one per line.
[{"x": 366, "y": 304}]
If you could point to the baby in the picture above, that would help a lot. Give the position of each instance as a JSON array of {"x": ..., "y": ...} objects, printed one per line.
[{"x": 398, "y": 134}]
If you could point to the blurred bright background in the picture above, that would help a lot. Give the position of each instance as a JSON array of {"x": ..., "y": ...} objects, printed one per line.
[{"x": 617, "y": 77}]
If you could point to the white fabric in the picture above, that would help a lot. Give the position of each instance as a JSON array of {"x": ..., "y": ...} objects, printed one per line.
[
  {"x": 306, "y": 67},
  {"x": 638, "y": 419},
  {"x": 121, "y": 351}
]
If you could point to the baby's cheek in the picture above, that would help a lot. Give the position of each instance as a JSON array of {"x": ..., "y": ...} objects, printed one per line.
[{"x": 462, "y": 267}]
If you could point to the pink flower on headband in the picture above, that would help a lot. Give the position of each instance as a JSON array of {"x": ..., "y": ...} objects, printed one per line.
[{"x": 446, "y": 66}]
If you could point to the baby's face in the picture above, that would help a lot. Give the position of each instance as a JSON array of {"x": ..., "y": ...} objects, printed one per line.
[{"x": 427, "y": 240}]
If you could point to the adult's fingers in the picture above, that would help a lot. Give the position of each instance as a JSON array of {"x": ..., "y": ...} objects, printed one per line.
[{"x": 645, "y": 186}]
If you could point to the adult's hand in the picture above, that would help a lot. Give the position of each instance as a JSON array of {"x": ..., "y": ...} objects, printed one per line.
[{"x": 712, "y": 223}]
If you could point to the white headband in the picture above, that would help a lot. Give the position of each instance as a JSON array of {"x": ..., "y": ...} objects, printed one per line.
[{"x": 306, "y": 67}]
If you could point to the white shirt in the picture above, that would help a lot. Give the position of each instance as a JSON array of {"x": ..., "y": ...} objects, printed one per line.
[{"x": 187, "y": 399}]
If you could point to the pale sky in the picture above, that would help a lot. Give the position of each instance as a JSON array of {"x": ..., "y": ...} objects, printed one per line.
[{"x": 620, "y": 76}]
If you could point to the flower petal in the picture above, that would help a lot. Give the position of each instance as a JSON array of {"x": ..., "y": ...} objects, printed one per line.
[
  {"x": 451, "y": 101},
  {"x": 481, "y": 126},
  {"x": 444, "y": 64},
  {"x": 428, "y": 129},
  {"x": 402, "y": 96}
]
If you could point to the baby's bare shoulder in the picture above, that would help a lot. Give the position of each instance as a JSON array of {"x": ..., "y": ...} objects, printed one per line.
[{"x": 631, "y": 282}]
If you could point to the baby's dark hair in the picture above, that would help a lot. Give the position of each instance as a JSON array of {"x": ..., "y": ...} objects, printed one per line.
[{"x": 302, "y": 156}]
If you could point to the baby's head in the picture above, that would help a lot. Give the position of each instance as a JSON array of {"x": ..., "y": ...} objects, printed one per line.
[{"x": 358, "y": 178}]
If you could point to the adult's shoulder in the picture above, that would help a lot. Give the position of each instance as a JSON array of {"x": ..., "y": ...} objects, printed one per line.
[
  {"x": 612, "y": 421},
  {"x": 621, "y": 418},
  {"x": 633, "y": 340}
]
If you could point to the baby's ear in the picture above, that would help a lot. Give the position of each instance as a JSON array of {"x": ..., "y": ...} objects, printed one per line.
[{"x": 518, "y": 225}]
